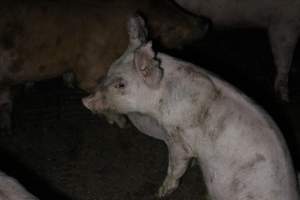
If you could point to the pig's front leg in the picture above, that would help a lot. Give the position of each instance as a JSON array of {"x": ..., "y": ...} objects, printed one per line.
[{"x": 179, "y": 156}]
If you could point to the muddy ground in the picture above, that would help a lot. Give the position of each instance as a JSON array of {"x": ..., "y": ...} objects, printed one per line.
[{"x": 59, "y": 150}]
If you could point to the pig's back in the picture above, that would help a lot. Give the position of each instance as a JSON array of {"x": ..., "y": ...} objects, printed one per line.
[
  {"x": 272, "y": 141},
  {"x": 258, "y": 13},
  {"x": 269, "y": 141}
]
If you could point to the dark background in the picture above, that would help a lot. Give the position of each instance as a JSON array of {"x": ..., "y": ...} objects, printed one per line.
[{"x": 59, "y": 150}]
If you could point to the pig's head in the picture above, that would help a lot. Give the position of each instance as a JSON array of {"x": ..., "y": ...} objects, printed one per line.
[{"x": 133, "y": 80}]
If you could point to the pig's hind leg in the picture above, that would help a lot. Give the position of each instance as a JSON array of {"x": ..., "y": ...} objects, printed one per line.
[
  {"x": 179, "y": 157},
  {"x": 283, "y": 39}
]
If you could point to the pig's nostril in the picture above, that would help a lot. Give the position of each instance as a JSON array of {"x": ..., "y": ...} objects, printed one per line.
[{"x": 86, "y": 102}]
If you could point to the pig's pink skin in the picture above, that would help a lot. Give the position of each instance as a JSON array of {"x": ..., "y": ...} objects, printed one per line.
[
  {"x": 240, "y": 149},
  {"x": 11, "y": 189},
  {"x": 280, "y": 18}
]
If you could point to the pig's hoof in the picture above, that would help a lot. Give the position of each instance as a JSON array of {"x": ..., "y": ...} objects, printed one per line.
[
  {"x": 281, "y": 88},
  {"x": 283, "y": 95},
  {"x": 169, "y": 185}
]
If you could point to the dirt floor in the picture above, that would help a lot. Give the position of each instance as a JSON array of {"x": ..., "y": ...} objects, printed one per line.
[{"x": 59, "y": 150}]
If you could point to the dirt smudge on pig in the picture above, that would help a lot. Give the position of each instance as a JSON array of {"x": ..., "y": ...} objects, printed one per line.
[{"x": 252, "y": 163}]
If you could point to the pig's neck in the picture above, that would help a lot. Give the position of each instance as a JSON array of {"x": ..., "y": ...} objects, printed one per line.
[
  {"x": 172, "y": 103},
  {"x": 148, "y": 102}
]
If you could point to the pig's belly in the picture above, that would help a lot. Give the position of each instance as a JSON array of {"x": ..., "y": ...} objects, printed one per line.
[{"x": 148, "y": 125}]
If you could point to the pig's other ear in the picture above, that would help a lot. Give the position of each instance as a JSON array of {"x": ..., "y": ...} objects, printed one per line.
[
  {"x": 147, "y": 66},
  {"x": 137, "y": 31}
]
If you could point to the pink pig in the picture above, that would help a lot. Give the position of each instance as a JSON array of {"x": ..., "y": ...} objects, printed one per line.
[{"x": 239, "y": 148}]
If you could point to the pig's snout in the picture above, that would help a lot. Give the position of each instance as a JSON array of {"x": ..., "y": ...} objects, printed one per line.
[
  {"x": 87, "y": 102},
  {"x": 94, "y": 103},
  {"x": 90, "y": 103}
]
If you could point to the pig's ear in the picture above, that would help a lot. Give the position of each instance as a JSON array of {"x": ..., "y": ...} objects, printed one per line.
[
  {"x": 147, "y": 66},
  {"x": 137, "y": 31}
]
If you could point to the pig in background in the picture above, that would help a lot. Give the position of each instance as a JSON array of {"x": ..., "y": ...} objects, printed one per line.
[
  {"x": 240, "y": 149},
  {"x": 280, "y": 18},
  {"x": 44, "y": 39},
  {"x": 11, "y": 189}
]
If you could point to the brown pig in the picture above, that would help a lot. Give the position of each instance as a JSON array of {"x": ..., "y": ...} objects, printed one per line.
[{"x": 44, "y": 39}]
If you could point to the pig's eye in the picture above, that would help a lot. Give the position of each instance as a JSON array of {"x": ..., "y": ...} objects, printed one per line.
[{"x": 120, "y": 85}]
